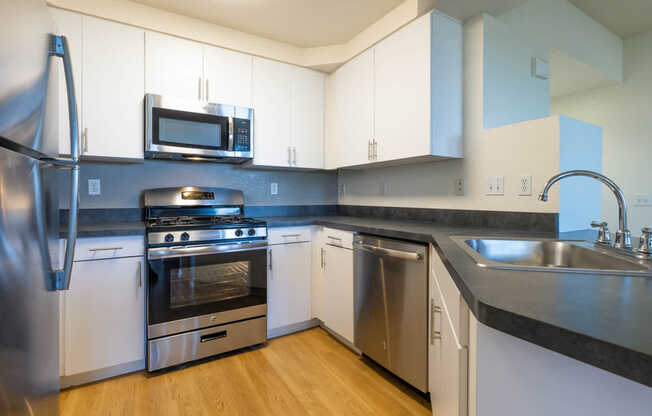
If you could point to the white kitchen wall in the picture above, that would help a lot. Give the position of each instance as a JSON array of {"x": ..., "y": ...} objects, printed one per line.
[{"x": 625, "y": 113}]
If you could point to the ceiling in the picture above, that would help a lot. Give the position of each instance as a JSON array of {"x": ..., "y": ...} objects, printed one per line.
[
  {"x": 304, "y": 23},
  {"x": 623, "y": 17}
]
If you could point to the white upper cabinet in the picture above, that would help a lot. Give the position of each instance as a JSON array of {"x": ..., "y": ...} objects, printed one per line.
[
  {"x": 70, "y": 25},
  {"x": 173, "y": 66},
  {"x": 272, "y": 101},
  {"x": 112, "y": 90},
  {"x": 227, "y": 76},
  {"x": 288, "y": 106},
  {"x": 400, "y": 100},
  {"x": 349, "y": 140},
  {"x": 402, "y": 92},
  {"x": 307, "y": 119}
]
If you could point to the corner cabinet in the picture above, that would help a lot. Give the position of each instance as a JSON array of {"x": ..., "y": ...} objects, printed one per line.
[
  {"x": 400, "y": 101},
  {"x": 288, "y": 104}
]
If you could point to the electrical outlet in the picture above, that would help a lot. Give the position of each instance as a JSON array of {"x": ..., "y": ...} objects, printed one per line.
[
  {"x": 273, "y": 188},
  {"x": 94, "y": 187},
  {"x": 525, "y": 185},
  {"x": 495, "y": 185},
  {"x": 459, "y": 186},
  {"x": 641, "y": 200}
]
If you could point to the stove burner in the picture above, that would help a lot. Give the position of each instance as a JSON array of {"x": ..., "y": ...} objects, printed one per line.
[{"x": 202, "y": 220}]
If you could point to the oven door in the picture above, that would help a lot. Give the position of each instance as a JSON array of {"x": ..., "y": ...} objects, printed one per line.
[{"x": 193, "y": 287}]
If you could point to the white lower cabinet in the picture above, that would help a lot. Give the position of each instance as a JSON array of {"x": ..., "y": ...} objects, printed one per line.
[
  {"x": 103, "y": 314},
  {"x": 337, "y": 286},
  {"x": 448, "y": 351},
  {"x": 288, "y": 285}
]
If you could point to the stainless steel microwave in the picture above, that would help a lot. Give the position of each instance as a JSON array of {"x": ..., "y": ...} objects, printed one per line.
[{"x": 197, "y": 130}]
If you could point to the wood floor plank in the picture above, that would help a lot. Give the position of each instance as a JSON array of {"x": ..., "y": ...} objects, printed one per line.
[{"x": 307, "y": 373}]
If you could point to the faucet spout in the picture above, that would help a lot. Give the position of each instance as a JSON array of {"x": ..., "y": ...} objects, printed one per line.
[{"x": 623, "y": 235}]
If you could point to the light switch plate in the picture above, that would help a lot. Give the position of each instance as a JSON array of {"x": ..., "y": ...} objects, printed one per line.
[
  {"x": 642, "y": 200},
  {"x": 94, "y": 187},
  {"x": 495, "y": 185},
  {"x": 273, "y": 188}
]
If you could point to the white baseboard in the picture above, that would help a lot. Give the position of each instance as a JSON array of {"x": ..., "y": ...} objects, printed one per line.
[
  {"x": 289, "y": 329},
  {"x": 101, "y": 374}
]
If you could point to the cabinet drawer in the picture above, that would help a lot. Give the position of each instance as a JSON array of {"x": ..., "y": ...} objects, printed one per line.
[
  {"x": 453, "y": 302},
  {"x": 338, "y": 238},
  {"x": 96, "y": 248},
  {"x": 288, "y": 235}
]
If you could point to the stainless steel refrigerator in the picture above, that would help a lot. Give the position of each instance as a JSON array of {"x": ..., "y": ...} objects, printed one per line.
[{"x": 31, "y": 268}]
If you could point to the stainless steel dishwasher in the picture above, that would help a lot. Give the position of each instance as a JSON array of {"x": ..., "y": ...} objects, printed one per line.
[{"x": 391, "y": 305}]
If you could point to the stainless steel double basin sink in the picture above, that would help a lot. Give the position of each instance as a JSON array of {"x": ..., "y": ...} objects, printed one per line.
[{"x": 552, "y": 256}]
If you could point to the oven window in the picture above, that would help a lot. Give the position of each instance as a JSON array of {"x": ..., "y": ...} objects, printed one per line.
[
  {"x": 190, "y": 286},
  {"x": 209, "y": 283},
  {"x": 186, "y": 129}
]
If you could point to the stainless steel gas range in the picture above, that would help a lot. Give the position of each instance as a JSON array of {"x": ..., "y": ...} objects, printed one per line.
[{"x": 207, "y": 278}]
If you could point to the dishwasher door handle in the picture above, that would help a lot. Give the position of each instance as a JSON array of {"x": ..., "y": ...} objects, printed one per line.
[{"x": 388, "y": 252}]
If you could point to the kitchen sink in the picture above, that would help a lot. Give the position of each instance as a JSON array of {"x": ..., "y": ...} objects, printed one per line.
[{"x": 552, "y": 255}]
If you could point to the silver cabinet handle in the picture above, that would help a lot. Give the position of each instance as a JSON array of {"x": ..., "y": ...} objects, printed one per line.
[
  {"x": 85, "y": 140},
  {"x": 375, "y": 150},
  {"x": 140, "y": 274},
  {"x": 270, "y": 259},
  {"x": 206, "y": 92},
  {"x": 369, "y": 150},
  {"x": 199, "y": 88},
  {"x": 59, "y": 48},
  {"x": 289, "y": 156},
  {"x": 294, "y": 152},
  {"x": 434, "y": 334},
  {"x": 105, "y": 249},
  {"x": 335, "y": 238},
  {"x": 291, "y": 235},
  {"x": 323, "y": 258}
]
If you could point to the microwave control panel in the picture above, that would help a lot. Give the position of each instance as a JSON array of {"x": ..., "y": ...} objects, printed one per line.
[{"x": 241, "y": 135}]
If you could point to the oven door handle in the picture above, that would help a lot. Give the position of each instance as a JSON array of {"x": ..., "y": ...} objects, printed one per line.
[{"x": 184, "y": 251}]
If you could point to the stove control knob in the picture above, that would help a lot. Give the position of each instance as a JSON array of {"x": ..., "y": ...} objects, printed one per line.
[
  {"x": 185, "y": 237},
  {"x": 251, "y": 231},
  {"x": 169, "y": 238},
  {"x": 238, "y": 233}
]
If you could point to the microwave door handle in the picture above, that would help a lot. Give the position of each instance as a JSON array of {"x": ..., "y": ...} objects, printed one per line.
[{"x": 231, "y": 146}]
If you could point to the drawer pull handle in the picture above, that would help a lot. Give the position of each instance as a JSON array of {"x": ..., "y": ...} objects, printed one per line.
[
  {"x": 213, "y": 336},
  {"x": 291, "y": 235},
  {"x": 105, "y": 249}
]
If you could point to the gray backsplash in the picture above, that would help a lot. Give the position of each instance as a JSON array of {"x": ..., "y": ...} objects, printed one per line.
[{"x": 122, "y": 184}]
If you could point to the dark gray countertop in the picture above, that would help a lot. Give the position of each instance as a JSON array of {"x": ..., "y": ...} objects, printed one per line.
[
  {"x": 601, "y": 320},
  {"x": 107, "y": 230}
]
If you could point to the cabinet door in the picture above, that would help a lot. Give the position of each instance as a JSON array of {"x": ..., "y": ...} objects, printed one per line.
[
  {"x": 70, "y": 25},
  {"x": 353, "y": 111},
  {"x": 307, "y": 119},
  {"x": 105, "y": 314},
  {"x": 402, "y": 92},
  {"x": 173, "y": 66},
  {"x": 272, "y": 101},
  {"x": 288, "y": 285},
  {"x": 448, "y": 370},
  {"x": 227, "y": 76},
  {"x": 338, "y": 291},
  {"x": 112, "y": 89}
]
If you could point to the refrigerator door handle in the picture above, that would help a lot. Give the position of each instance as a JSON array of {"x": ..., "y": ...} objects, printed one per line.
[{"x": 59, "y": 48}]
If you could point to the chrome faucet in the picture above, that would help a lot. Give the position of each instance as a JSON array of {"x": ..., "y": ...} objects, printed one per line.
[{"x": 623, "y": 235}]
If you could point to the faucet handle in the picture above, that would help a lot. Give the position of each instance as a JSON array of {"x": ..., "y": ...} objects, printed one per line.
[
  {"x": 645, "y": 245},
  {"x": 604, "y": 237}
]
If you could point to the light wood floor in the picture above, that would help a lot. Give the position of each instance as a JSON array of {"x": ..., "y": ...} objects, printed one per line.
[{"x": 308, "y": 373}]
